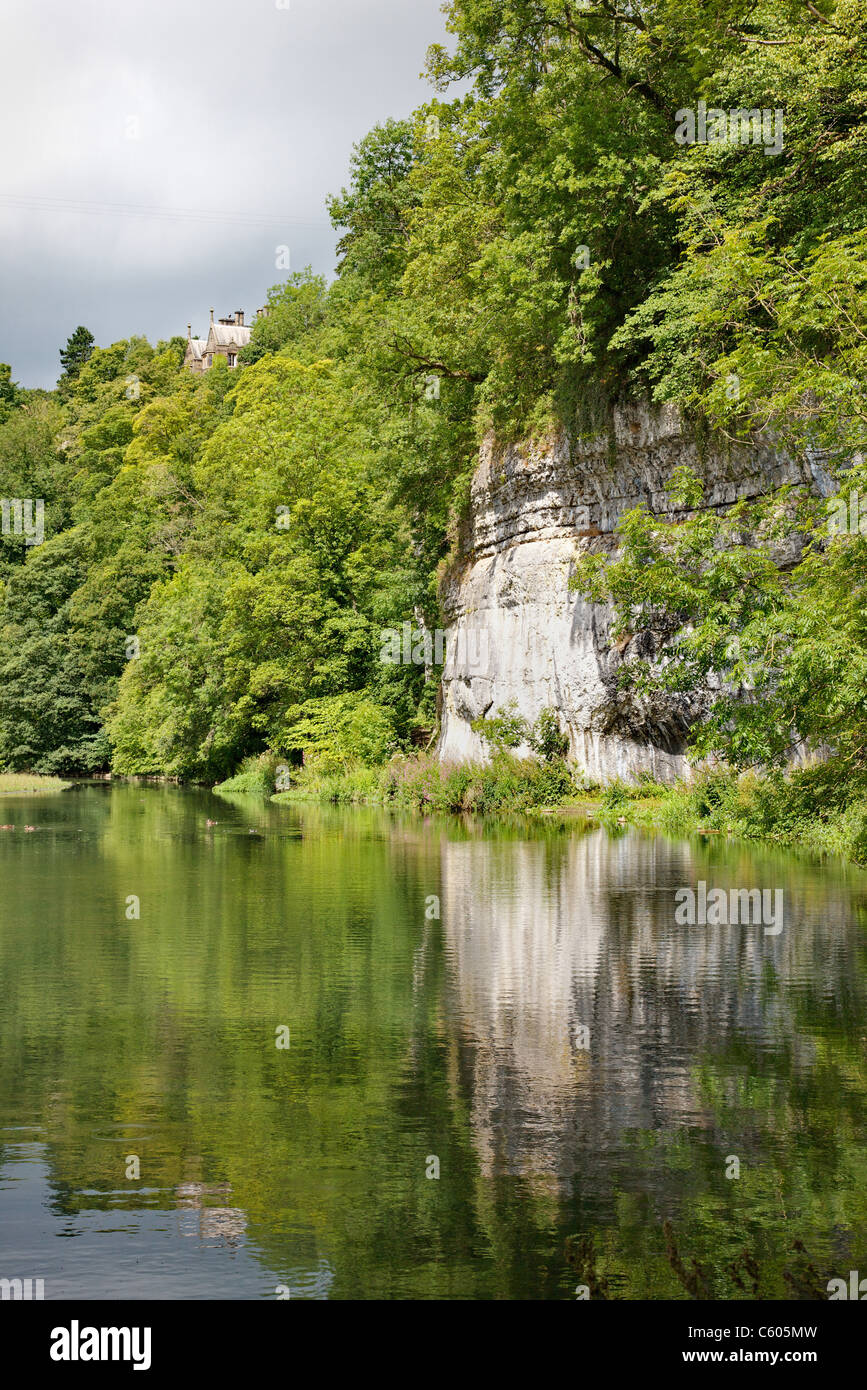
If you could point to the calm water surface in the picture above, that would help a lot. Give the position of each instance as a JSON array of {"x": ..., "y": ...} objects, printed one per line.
[{"x": 412, "y": 1038}]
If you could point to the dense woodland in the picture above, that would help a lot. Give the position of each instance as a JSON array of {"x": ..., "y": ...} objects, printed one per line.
[{"x": 222, "y": 551}]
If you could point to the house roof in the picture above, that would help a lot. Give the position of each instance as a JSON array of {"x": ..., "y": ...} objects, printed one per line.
[
  {"x": 228, "y": 335},
  {"x": 195, "y": 347}
]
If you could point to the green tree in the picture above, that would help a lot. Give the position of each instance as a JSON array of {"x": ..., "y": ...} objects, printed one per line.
[
  {"x": 295, "y": 309},
  {"x": 9, "y": 392},
  {"x": 293, "y": 566},
  {"x": 769, "y": 656},
  {"x": 47, "y": 722},
  {"x": 79, "y": 347}
]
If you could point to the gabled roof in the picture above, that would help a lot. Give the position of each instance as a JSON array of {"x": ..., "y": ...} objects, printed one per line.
[
  {"x": 195, "y": 348},
  {"x": 228, "y": 334}
]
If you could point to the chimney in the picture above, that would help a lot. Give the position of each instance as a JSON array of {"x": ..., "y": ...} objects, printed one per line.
[{"x": 241, "y": 317}]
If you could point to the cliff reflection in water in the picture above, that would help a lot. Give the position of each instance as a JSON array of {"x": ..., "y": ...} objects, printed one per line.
[{"x": 547, "y": 937}]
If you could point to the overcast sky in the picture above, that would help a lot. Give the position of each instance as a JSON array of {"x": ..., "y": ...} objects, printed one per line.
[{"x": 132, "y": 129}]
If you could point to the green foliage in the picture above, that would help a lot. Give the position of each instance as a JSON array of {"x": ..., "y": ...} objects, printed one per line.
[
  {"x": 9, "y": 392},
  {"x": 548, "y": 739},
  {"x": 374, "y": 209},
  {"x": 513, "y": 257},
  {"x": 257, "y": 776},
  {"x": 615, "y": 797},
  {"x": 509, "y": 730},
  {"x": 505, "y": 786},
  {"x": 339, "y": 731},
  {"x": 12, "y": 783},
  {"x": 504, "y": 731},
  {"x": 174, "y": 712},
  {"x": 777, "y": 653},
  {"x": 31, "y": 467},
  {"x": 295, "y": 310},
  {"x": 47, "y": 722},
  {"x": 761, "y": 321},
  {"x": 79, "y": 346},
  {"x": 813, "y": 809}
]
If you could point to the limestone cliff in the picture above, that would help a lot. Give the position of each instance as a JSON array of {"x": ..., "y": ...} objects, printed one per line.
[{"x": 515, "y": 630}]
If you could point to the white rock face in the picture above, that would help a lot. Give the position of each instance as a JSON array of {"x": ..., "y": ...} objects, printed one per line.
[{"x": 515, "y": 631}]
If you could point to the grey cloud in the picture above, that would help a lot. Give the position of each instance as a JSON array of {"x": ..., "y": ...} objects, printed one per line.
[{"x": 155, "y": 155}]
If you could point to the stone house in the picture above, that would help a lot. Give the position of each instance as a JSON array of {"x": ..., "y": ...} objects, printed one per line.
[{"x": 225, "y": 338}]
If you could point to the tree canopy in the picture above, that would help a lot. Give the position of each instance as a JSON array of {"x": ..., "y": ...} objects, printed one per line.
[{"x": 222, "y": 552}]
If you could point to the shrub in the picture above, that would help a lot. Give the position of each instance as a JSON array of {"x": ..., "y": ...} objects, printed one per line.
[
  {"x": 255, "y": 776},
  {"x": 504, "y": 731},
  {"x": 506, "y": 784},
  {"x": 340, "y": 732},
  {"x": 615, "y": 796},
  {"x": 547, "y": 737},
  {"x": 509, "y": 729}
]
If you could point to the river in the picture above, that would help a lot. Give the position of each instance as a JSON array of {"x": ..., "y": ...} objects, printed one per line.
[{"x": 316, "y": 1053}]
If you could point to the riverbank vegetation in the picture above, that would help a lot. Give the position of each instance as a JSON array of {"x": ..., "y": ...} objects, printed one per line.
[
  {"x": 503, "y": 786},
  {"x": 220, "y": 554},
  {"x": 808, "y": 809},
  {"x": 12, "y": 783}
]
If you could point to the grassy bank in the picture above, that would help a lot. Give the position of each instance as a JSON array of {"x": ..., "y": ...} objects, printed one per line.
[
  {"x": 506, "y": 785},
  {"x": 29, "y": 782},
  {"x": 255, "y": 777},
  {"x": 818, "y": 809}
]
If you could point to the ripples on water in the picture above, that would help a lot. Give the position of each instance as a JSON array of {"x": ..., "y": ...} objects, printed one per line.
[{"x": 462, "y": 1038}]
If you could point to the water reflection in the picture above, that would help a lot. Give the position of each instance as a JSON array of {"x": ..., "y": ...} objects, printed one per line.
[
  {"x": 575, "y": 1059},
  {"x": 720, "y": 1039}
]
